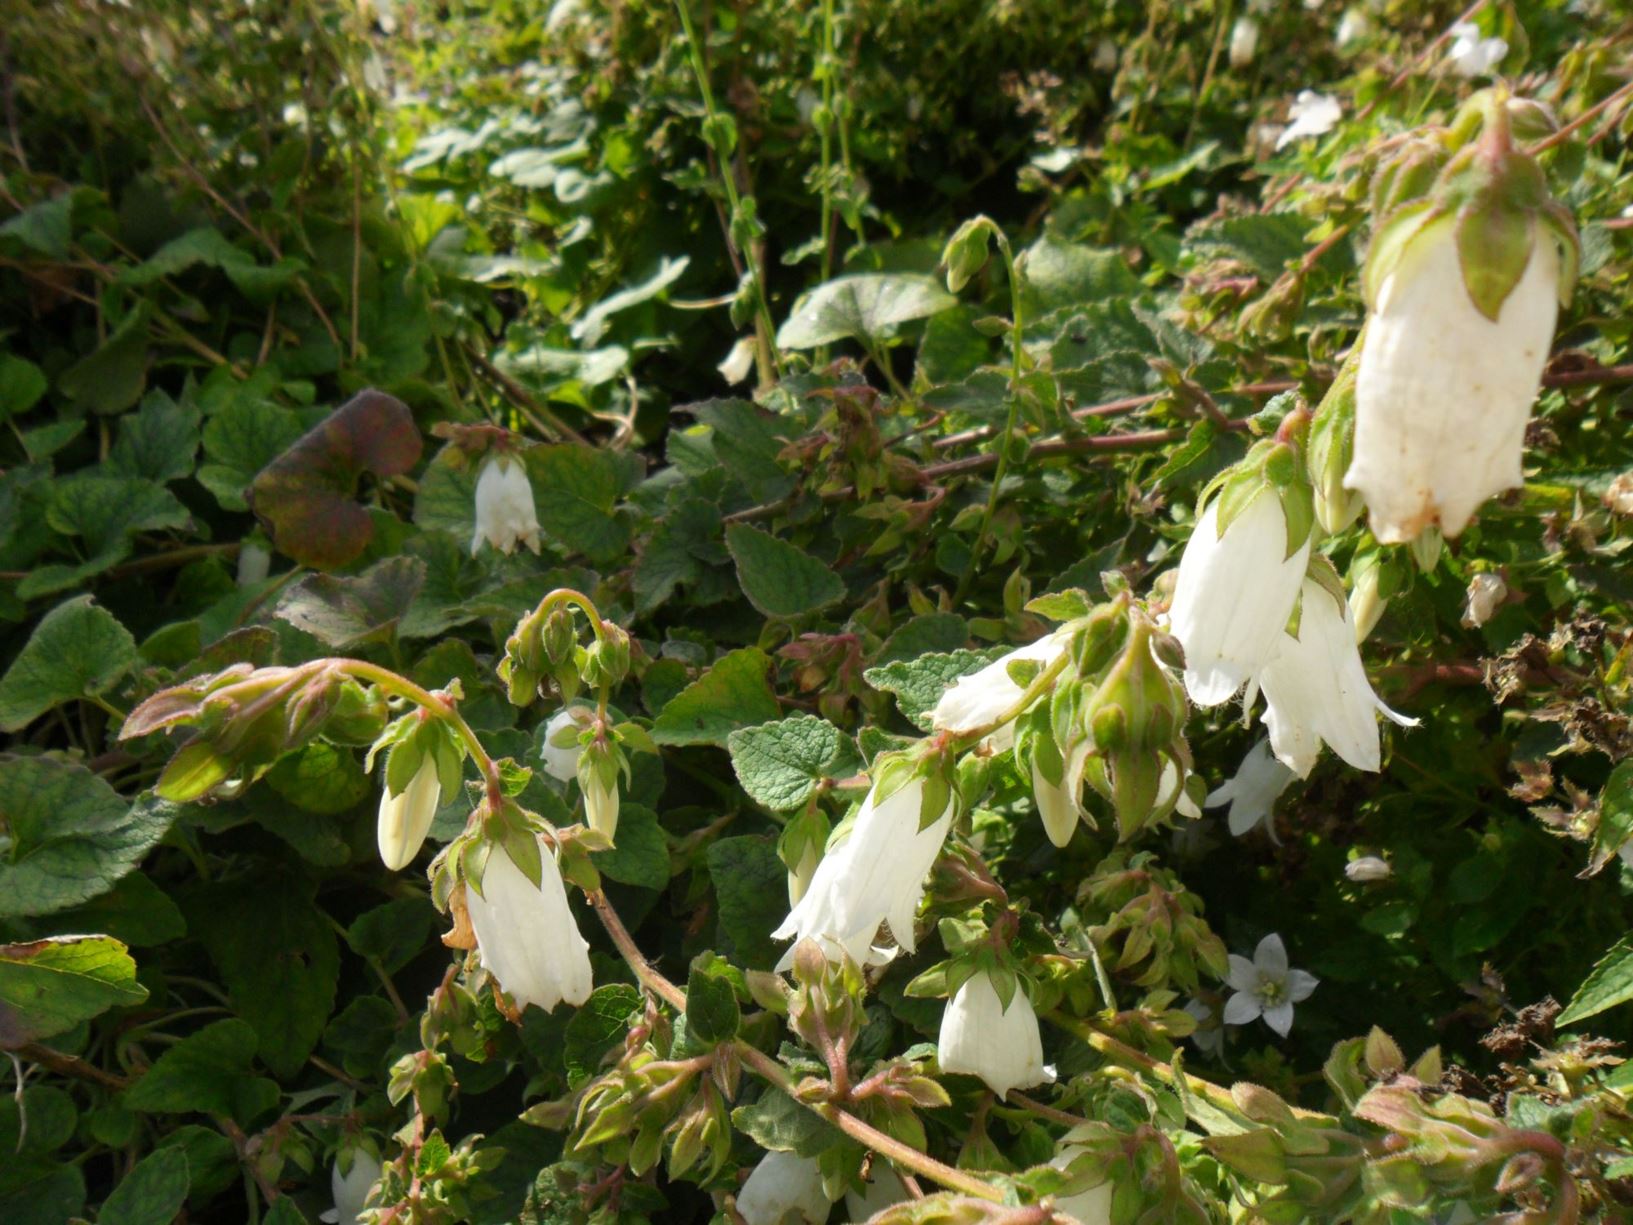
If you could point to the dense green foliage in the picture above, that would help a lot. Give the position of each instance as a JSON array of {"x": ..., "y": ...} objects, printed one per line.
[{"x": 274, "y": 277}]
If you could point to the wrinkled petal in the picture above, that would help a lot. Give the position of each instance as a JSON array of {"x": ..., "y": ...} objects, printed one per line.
[
  {"x": 1280, "y": 1018},
  {"x": 1242, "y": 1009}
]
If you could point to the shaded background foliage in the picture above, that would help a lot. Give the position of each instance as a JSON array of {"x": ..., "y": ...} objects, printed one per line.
[{"x": 220, "y": 225}]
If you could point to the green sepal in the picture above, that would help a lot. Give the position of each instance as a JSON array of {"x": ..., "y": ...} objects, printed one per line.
[
  {"x": 891, "y": 772},
  {"x": 937, "y": 795},
  {"x": 1062, "y": 606},
  {"x": 1046, "y": 756},
  {"x": 1493, "y": 249},
  {"x": 194, "y": 771},
  {"x": 1556, "y": 219},
  {"x": 1023, "y": 671},
  {"x": 1390, "y": 242},
  {"x": 1322, "y": 573},
  {"x": 521, "y": 843},
  {"x": 1298, "y": 508},
  {"x": 473, "y": 862}
]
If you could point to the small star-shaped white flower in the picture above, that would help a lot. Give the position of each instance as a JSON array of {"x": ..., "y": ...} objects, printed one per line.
[
  {"x": 1312, "y": 114},
  {"x": 1266, "y": 987},
  {"x": 1471, "y": 55}
]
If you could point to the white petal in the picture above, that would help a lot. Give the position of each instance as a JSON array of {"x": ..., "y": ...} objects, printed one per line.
[
  {"x": 1233, "y": 596},
  {"x": 1243, "y": 975},
  {"x": 405, "y": 818},
  {"x": 505, "y": 513},
  {"x": 885, "y": 1191},
  {"x": 980, "y": 1037},
  {"x": 351, "y": 1188},
  {"x": 978, "y": 699},
  {"x": 1270, "y": 958},
  {"x": 560, "y": 760},
  {"x": 1279, "y": 1018},
  {"x": 1300, "y": 984},
  {"x": 1253, "y": 792},
  {"x": 781, "y": 1184},
  {"x": 1443, "y": 394},
  {"x": 526, "y": 936},
  {"x": 1242, "y": 1009}
]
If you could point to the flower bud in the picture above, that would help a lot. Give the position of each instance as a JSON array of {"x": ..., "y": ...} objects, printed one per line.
[
  {"x": 1368, "y": 868},
  {"x": 1244, "y": 41},
  {"x": 599, "y": 764},
  {"x": 405, "y": 816},
  {"x": 1332, "y": 442},
  {"x": 526, "y": 935}
]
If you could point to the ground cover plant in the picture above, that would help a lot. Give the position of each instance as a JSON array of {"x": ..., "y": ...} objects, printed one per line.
[{"x": 919, "y": 612}]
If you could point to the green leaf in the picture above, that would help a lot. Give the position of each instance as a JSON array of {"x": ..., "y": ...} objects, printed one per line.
[
  {"x": 135, "y": 911},
  {"x": 751, "y": 890},
  {"x": 104, "y": 512},
  {"x": 345, "y": 613},
  {"x": 597, "y": 1027},
  {"x": 320, "y": 777},
  {"x": 209, "y": 247},
  {"x": 1266, "y": 242},
  {"x": 1059, "y": 274},
  {"x": 22, "y": 383},
  {"x": 393, "y": 933},
  {"x": 284, "y": 1211},
  {"x": 72, "y": 835},
  {"x": 575, "y": 490},
  {"x": 305, "y": 495},
  {"x": 37, "y": 1195},
  {"x": 919, "y": 683},
  {"x": 240, "y": 440},
  {"x": 733, "y": 693},
  {"x": 44, "y": 227},
  {"x": 589, "y": 329},
  {"x": 861, "y": 307},
  {"x": 1615, "y": 827},
  {"x": 748, "y": 442},
  {"x": 778, "y": 1123},
  {"x": 780, "y": 579},
  {"x": 642, "y": 854},
  {"x": 712, "y": 1012},
  {"x": 206, "y": 1072},
  {"x": 152, "y": 1193},
  {"x": 780, "y": 764},
  {"x": 111, "y": 379},
  {"x": 922, "y": 635},
  {"x": 77, "y": 650},
  {"x": 1610, "y": 983},
  {"x": 47, "y": 986},
  {"x": 158, "y": 442},
  {"x": 279, "y": 959}
]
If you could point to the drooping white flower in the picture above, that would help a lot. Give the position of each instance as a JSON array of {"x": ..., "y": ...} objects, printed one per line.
[
  {"x": 981, "y": 1037},
  {"x": 1486, "y": 594},
  {"x": 1233, "y": 596},
  {"x": 1312, "y": 114},
  {"x": 505, "y": 514},
  {"x": 1266, "y": 987},
  {"x": 350, "y": 1187},
  {"x": 885, "y": 1191},
  {"x": 601, "y": 805},
  {"x": 1209, "y": 1034},
  {"x": 1244, "y": 41},
  {"x": 1471, "y": 55},
  {"x": 1443, "y": 394},
  {"x": 254, "y": 563},
  {"x": 526, "y": 935},
  {"x": 988, "y": 694},
  {"x": 1091, "y": 1207},
  {"x": 784, "y": 1189},
  {"x": 1316, "y": 690},
  {"x": 1368, "y": 868},
  {"x": 876, "y": 875},
  {"x": 406, "y": 817},
  {"x": 1060, "y": 806},
  {"x": 559, "y": 749},
  {"x": 1618, "y": 497},
  {"x": 1253, "y": 790},
  {"x": 739, "y": 363}
]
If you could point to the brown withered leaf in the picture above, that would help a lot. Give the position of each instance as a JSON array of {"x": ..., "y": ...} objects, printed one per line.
[{"x": 305, "y": 497}]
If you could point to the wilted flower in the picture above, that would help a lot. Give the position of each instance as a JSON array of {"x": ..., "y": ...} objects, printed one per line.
[
  {"x": 985, "y": 696},
  {"x": 1485, "y": 595},
  {"x": 1368, "y": 868},
  {"x": 1316, "y": 690},
  {"x": 1209, "y": 1034},
  {"x": 505, "y": 514},
  {"x": 886, "y": 1190},
  {"x": 559, "y": 750},
  {"x": 1471, "y": 55},
  {"x": 981, "y": 1037},
  {"x": 1312, "y": 114},
  {"x": 739, "y": 363},
  {"x": 1253, "y": 791},
  {"x": 406, "y": 816},
  {"x": 1619, "y": 495},
  {"x": 1233, "y": 596},
  {"x": 875, "y": 876},
  {"x": 350, "y": 1181},
  {"x": 784, "y": 1184},
  {"x": 526, "y": 934},
  {"x": 1244, "y": 41},
  {"x": 1443, "y": 393},
  {"x": 1265, "y": 987}
]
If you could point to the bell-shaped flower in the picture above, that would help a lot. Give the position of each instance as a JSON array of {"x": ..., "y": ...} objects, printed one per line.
[
  {"x": 1252, "y": 792},
  {"x": 1312, "y": 114},
  {"x": 350, "y": 1181},
  {"x": 505, "y": 514},
  {"x": 739, "y": 363},
  {"x": 1473, "y": 56},
  {"x": 876, "y": 875},
  {"x": 985, "y": 696},
  {"x": 559, "y": 748},
  {"x": 1443, "y": 393},
  {"x": 1234, "y": 595},
  {"x": 1353, "y": 26},
  {"x": 981, "y": 1037},
  {"x": 405, "y": 817},
  {"x": 1060, "y": 805},
  {"x": 784, "y": 1189},
  {"x": 1091, "y": 1207},
  {"x": 526, "y": 935},
  {"x": 886, "y": 1190},
  {"x": 1266, "y": 987},
  {"x": 1316, "y": 690},
  {"x": 254, "y": 563}
]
